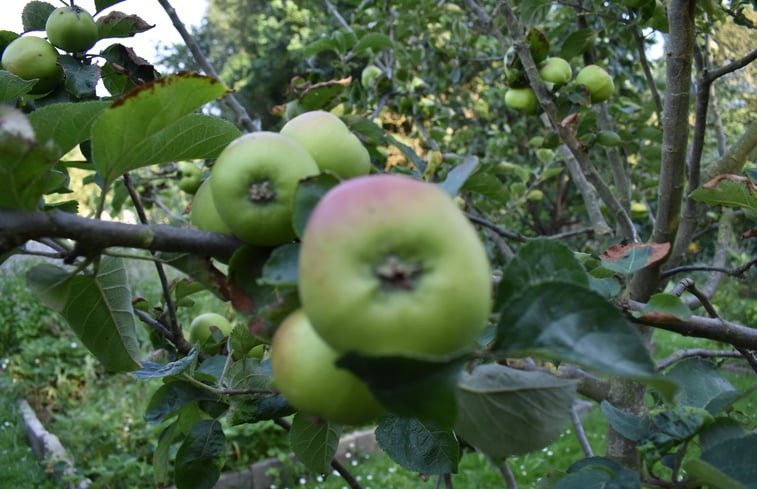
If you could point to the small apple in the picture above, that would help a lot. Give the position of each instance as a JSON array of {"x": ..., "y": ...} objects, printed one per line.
[
  {"x": 256, "y": 352},
  {"x": 390, "y": 265},
  {"x": 201, "y": 330},
  {"x": 535, "y": 195},
  {"x": 253, "y": 183},
  {"x": 597, "y": 81},
  {"x": 204, "y": 214},
  {"x": 71, "y": 28},
  {"x": 609, "y": 138},
  {"x": 30, "y": 57},
  {"x": 522, "y": 99},
  {"x": 330, "y": 142},
  {"x": 369, "y": 76},
  {"x": 639, "y": 210},
  {"x": 304, "y": 371},
  {"x": 555, "y": 70},
  {"x": 190, "y": 176}
]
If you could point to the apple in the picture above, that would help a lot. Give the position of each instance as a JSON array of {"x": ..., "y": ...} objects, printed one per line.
[
  {"x": 555, "y": 70},
  {"x": 202, "y": 327},
  {"x": 71, "y": 28},
  {"x": 369, "y": 76},
  {"x": 522, "y": 99},
  {"x": 30, "y": 57},
  {"x": 597, "y": 81},
  {"x": 190, "y": 176},
  {"x": 253, "y": 183},
  {"x": 330, "y": 142},
  {"x": 390, "y": 265},
  {"x": 304, "y": 371},
  {"x": 204, "y": 214},
  {"x": 639, "y": 210}
]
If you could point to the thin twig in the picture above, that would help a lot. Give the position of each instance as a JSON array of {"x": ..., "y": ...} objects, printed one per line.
[
  {"x": 507, "y": 474},
  {"x": 159, "y": 327},
  {"x": 695, "y": 352},
  {"x": 330, "y": 6},
  {"x": 497, "y": 229},
  {"x": 735, "y": 272},
  {"x": 580, "y": 433}
]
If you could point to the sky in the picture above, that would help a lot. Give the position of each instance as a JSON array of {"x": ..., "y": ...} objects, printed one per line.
[{"x": 191, "y": 12}]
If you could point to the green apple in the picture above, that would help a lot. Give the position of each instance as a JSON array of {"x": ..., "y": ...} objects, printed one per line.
[
  {"x": 256, "y": 352},
  {"x": 253, "y": 183},
  {"x": 535, "y": 195},
  {"x": 369, "y": 76},
  {"x": 204, "y": 214},
  {"x": 555, "y": 70},
  {"x": 304, "y": 371},
  {"x": 201, "y": 330},
  {"x": 522, "y": 99},
  {"x": 330, "y": 142},
  {"x": 190, "y": 176},
  {"x": 639, "y": 210},
  {"x": 597, "y": 81},
  {"x": 71, "y": 28},
  {"x": 30, "y": 57},
  {"x": 390, "y": 265}
]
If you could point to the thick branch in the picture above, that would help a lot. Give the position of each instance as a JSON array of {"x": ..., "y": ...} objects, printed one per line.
[
  {"x": 733, "y": 160},
  {"x": 18, "y": 227}
]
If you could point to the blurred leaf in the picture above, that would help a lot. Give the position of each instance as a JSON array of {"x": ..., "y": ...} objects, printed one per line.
[
  {"x": 735, "y": 458},
  {"x": 506, "y": 412},
  {"x": 309, "y": 191},
  {"x": 708, "y": 474},
  {"x": 318, "y": 95},
  {"x": 408, "y": 153},
  {"x": 281, "y": 266},
  {"x": 12, "y": 86},
  {"x": 373, "y": 40},
  {"x": 577, "y": 42},
  {"x": 152, "y": 370},
  {"x": 598, "y": 473},
  {"x": 422, "y": 388},
  {"x": 665, "y": 304},
  {"x": 314, "y": 443},
  {"x": 700, "y": 382},
  {"x": 365, "y": 128},
  {"x": 201, "y": 456},
  {"x": 721, "y": 431},
  {"x": 457, "y": 177},
  {"x": 67, "y": 124},
  {"x": 247, "y": 374},
  {"x": 323, "y": 44},
  {"x": 155, "y": 124},
  {"x": 170, "y": 397},
  {"x": 200, "y": 269},
  {"x": 631, "y": 426},
  {"x": 162, "y": 454},
  {"x": 98, "y": 309},
  {"x": 420, "y": 446}
]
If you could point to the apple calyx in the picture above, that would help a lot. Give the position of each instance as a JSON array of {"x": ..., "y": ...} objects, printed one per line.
[
  {"x": 396, "y": 274},
  {"x": 261, "y": 192}
]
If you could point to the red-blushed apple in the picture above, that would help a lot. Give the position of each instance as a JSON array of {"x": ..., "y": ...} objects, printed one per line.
[
  {"x": 391, "y": 265},
  {"x": 330, "y": 142},
  {"x": 253, "y": 183},
  {"x": 305, "y": 372}
]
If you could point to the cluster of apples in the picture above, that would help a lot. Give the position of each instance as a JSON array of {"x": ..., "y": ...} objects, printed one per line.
[
  {"x": 388, "y": 266},
  {"x": 70, "y": 28}
]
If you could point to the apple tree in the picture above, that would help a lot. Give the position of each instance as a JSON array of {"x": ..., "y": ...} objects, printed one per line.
[{"x": 451, "y": 220}]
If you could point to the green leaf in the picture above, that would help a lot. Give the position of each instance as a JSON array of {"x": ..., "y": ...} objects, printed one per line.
[
  {"x": 408, "y": 153},
  {"x": 506, "y": 412},
  {"x": 198, "y": 268},
  {"x": 155, "y": 124},
  {"x": 248, "y": 410},
  {"x": 670, "y": 428},
  {"x": 666, "y": 304},
  {"x": 375, "y": 41},
  {"x": 12, "y": 86},
  {"x": 35, "y": 14},
  {"x": 420, "y": 446},
  {"x": 539, "y": 261},
  {"x": 365, "y": 128},
  {"x": 700, "y": 382},
  {"x": 152, "y": 370},
  {"x": 80, "y": 80},
  {"x": 735, "y": 458},
  {"x": 309, "y": 191},
  {"x": 103, "y": 4},
  {"x": 281, "y": 267},
  {"x": 634, "y": 260},
  {"x": 487, "y": 184},
  {"x": 422, "y": 388},
  {"x": 314, "y": 444},
  {"x": 67, "y": 124},
  {"x": 457, "y": 177},
  {"x": 118, "y": 24},
  {"x": 201, "y": 456},
  {"x": 633, "y": 427},
  {"x": 98, "y": 309},
  {"x": 721, "y": 431},
  {"x": 162, "y": 454},
  {"x": 708, "y": 474},
  {"x": 247, "y": 374},
  {"x": 323, "y": 44},
  {"x": 598, "y": 473},
  {"x": 170, "y": 397},
  {"x": 729, "y": 193},
  {"x": 577, "y": 42}
]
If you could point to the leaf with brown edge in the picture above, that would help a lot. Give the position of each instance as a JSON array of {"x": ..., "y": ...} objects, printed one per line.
[
  {"x": 629, "y": 258},
  {"x": 731, "y": 178}
]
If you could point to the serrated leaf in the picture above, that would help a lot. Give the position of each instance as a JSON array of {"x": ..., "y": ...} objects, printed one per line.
[
  {"x": 171, "y": 397},
  {"x": 729, "y": 191},
  {"x": 97, "y": 308},
  {"x": 506, "y": 412},
  {"x": 309, "y": 191},
  {"x": 314, "y": 443},
  {"x": 420, "y": 446},
  {"x": 630, "y": 258},
  {"x": 539, "y": 261},
  {"x": 201, "y": 456},
  {"x": 422, "y": 387},
  {"x": 35, "y": 14},
  {"x": 67, "y": 124},
  {"x": 665, "y": 304},
  {"x": 155, "y": 124},
  {"x": 281, "y": 267},
  {"x": 457, "y": 177},
  {"x": 373, "y": 40},
  {"x": 670, "y": 428},
  {"x": 80, "y": 80},
  {"x": 12, "y": 86},
  {"x": 247, "y": 374},
  {"x": 152, "y": 370},
  {"x": 700, "y": 382},
  {"x": 251, "y": 410}
]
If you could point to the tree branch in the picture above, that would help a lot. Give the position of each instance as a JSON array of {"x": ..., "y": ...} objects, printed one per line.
[
  {"x": 695, "y": 352},
  {"x": 735, "y": 272},
  {"x": 712, "y": 75}
]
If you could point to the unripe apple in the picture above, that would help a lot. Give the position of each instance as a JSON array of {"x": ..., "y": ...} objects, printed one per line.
[
  {"x": 330, "y": 142},
  {"x": 522, "y": 99},
  {"x": 597, "y": 81},
  {"x": 369, "y": 76},
  {"x": 305, "y": 371},
  {"x": 71, "y": 28},
  {"x": 201, "y": 330},
  {"x": 30, "y": 57},
  {"x": 390, "y": 265},
  {"x": 190, "y": 176},
  {"x": 204, "y": 214},
  {"x": 556, "y": 70}
]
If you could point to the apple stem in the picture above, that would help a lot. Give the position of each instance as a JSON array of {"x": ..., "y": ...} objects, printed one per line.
[
  {"x": 261, "y": 192},
  {"x": 396, "y": 274}
]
